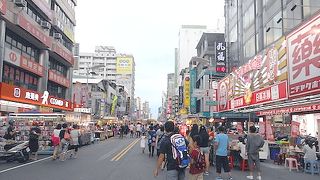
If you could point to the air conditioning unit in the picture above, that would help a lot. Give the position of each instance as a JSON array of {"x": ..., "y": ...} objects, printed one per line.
[
  {"x": 45, "y": 25},
  {"x": 57, "y": 35},
  {"x": 20, "y": 3}
]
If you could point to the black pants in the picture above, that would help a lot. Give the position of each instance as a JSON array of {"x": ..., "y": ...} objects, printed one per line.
[
  {"x": 151, "y": 149},
  {"x": 222, "y": 161}
]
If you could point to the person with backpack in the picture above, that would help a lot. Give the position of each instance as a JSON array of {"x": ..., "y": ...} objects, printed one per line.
[
  {"x": 159, "y": 138},
  {"x": 174, "y": 147},
  {"x": 151, "y": 140},
  {"x": 198, "y": 163},
  {"x": 253, "y": 145},
  {"x": 222, "y": 145}
]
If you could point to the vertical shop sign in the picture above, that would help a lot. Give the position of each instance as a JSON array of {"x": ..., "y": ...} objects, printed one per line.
[
  {"x": 193, "y": 103},
  {"x": 180, "y": 97},
  {"x": 221, "y": 56},
  {"x": 295, "y": 129},
  {"x": 262, "y": 128},
  {"x": 304, "y": 58},
  {"x": 186, "y": 91}
]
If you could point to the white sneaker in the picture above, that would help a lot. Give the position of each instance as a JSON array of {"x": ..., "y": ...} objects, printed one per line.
[
  {"x": 258, "y": 177},
  {"x": 249, "y": 177}
]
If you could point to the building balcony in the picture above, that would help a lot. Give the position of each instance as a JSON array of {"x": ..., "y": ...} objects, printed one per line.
[
  {"x": 207, "y": 51},
  {"x": 44, "y": 7}
]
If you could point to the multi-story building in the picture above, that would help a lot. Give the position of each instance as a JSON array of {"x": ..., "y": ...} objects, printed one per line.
[
  {"x": 106, "y": 64},
  {"x": 146, "y": 110},
  {"x": 36, "y": 56},
  {"x": 253, "y": 25},
  {"x": 205, "y": 70},
  {"x": 189, "y": 36},
  {"x": 102, "y": 62},
  {"x": 276, "y": 43}
]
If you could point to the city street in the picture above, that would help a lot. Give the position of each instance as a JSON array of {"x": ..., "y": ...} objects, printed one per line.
[{"x": 117, "y": 159}]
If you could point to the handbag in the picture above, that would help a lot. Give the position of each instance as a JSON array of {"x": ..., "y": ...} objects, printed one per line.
[{"x": 55, "y": 140}]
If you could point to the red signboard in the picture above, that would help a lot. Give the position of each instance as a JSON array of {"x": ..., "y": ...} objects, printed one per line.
[
  {"x": 3, "y": 6},
  {"x": 304, "y": 59},
  {"x": 68, "y": 56},
  {"x": 265, "y": 95},
  {"x": 37, "y": 33},
  {"x": 291, "y": 109},
  {"x": 23, "y": 62},
  {"x": 18, "y": 94},
  {"x": 53, "y": 76}
]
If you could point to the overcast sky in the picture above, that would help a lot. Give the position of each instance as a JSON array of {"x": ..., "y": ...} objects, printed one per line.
[{"x": 147, "y": 29}]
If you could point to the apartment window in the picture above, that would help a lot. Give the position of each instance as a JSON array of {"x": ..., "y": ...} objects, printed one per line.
[
  {"x": 63, "y": 16},
  {"x": 56, "y": 90},
  {"x": 19, "y": 45},
  {"x": 58, "y": 67},
  {"x": 18, "y": 77}
]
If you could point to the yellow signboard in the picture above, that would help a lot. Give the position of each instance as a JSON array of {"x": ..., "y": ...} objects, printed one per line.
[
  {"x": 124, "y": 65},
  {"x": 186, "y": 92}
]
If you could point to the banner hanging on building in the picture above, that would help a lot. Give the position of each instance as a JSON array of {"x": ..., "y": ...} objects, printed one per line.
[
  {"x": 304, "y": 59},
  {"x": 221, "y": 64},
  {"x": 186, "y": 92},
  {"x": 124, "y": 65}
]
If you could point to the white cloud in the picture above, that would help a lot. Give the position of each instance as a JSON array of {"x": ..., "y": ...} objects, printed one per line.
[{"x": 148, "y": 29}]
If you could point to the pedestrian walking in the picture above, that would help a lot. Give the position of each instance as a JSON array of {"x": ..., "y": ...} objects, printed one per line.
[
  {"x": 121, "y": 130},
  {"x": 159, "y": 138},
  {"x": 75, "y": 134},
  {"x": 222, "y": 145},
  {"x": 253, "y": 145},
  {"x": 131, "y": 127},
  {"x": 198, "y": 164},
  {"x": 143, "y": 142},
  {"x": 56, "y": 141},
  {"x": 173, "y": 171},
  {"x": 151, "y": 140},
  {"x": 64, "y": 141},
  {"x": 138, "y": 130},
  {"x": 204, "y": 147},
  {"x": 35, "y": 132}
]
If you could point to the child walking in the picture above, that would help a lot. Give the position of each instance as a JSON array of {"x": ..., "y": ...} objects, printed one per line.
[{"x": 143, "y": 142}]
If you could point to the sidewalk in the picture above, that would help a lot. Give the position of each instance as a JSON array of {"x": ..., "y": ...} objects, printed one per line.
[{"x": 270, "y": 171}]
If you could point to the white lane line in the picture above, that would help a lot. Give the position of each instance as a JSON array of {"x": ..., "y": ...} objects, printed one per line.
[{"x": 20, "y": 166}]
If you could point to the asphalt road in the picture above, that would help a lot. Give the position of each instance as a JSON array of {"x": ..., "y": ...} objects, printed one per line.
[{"x": 117, "y": 159}]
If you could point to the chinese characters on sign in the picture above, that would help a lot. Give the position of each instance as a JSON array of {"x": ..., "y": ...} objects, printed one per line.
[
  {"x": 58, "y": 79},
  {"x": 63, "y": 53},
  {"x": 304, "y": 59},
  {"x": 186, "y": 92},
  {"x": 24, "y": 62},
  {"x": 221, "y": 56},
  {"x": 26, "y": 25}
]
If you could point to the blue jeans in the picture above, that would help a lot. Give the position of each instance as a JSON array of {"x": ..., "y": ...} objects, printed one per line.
[{"x": 176, "y": 175}]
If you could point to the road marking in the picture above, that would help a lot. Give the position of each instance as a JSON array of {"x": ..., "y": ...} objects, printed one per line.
[
  {"x": 126, "y": 151},
  {"x": 121, "y": 152},
  {"x": 20, "y": 166}
]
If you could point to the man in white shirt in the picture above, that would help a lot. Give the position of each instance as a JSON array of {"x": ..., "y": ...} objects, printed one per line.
[{"x": 138, "y": 130}]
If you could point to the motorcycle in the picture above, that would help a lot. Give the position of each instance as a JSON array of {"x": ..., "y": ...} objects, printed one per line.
[{"x": 17, "y": 151}]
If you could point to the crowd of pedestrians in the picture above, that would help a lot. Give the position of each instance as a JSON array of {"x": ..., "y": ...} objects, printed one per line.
[
  {"x": 65, "y": 141},
  {"x": 198, "y": 142}
]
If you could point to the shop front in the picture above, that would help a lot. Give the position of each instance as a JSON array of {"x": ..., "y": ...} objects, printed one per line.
[{"x": 25, "y": 107}]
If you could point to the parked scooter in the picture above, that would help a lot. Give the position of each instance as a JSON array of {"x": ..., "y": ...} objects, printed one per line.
[{"x": 15, "y": 152}]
